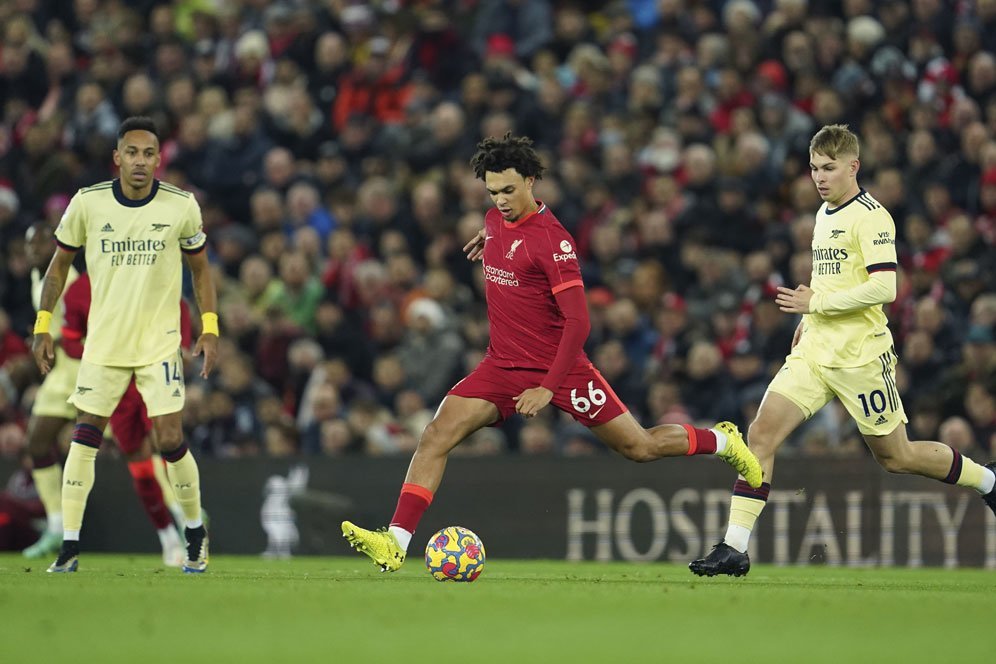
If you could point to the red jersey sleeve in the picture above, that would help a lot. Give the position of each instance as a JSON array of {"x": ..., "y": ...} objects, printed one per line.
[
  {"x": 76, "y": 306},
  {"x": 574, "y": 308},
  {"x": 186, "y": 332},
  {"x": 559, "y": 259}
]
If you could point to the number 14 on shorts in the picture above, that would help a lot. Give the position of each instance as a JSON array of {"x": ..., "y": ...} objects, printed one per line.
[{"x": 172, "y": 372}]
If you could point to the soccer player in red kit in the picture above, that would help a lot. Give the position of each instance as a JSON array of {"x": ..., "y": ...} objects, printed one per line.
[
  {"x": 132, "y": 427},
  {"x": 539, "y": 322}
]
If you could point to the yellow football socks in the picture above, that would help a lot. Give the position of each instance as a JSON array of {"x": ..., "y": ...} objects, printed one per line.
[
  {"x": 972, "y": 475},
  {"x": 743, "y": 515},
  {"x": 77, "y": 480},
  {"x": 48, "y": 484},
  {"x": 186, "y": 482},
  {"x": 169, "y": 497}
]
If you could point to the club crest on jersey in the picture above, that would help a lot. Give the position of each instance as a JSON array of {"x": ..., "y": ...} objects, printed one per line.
[
  {"x": 511, "y": 252},
  {"x": 159, "y": 227},
  {"x": 568, "y": 253},
  {"x": 836, "y": 233}
]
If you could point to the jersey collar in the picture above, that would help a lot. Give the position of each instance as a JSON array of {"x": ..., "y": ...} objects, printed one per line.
[
  {"x": 127, "y": 202},
  {"x": 844, "y": 205},
  {"x": 515, "y": 224}
]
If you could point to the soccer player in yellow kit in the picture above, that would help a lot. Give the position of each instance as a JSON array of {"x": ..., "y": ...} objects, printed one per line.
[
  {"x": 50, "y": 412},
  {"x": 135, "y": 230},
  {"x": 843, "y": 348}
]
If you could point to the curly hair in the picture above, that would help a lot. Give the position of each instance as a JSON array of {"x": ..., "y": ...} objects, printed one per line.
[
  {"x": 516, "y": 152},
  {"x": 138, "y": 123}
]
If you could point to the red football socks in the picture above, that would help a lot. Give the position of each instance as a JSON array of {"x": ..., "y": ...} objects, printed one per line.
[
  {"x": 700, "y": 441},
  {"x": 412, "y": 504},
  {"x": 144, "y": 478}
]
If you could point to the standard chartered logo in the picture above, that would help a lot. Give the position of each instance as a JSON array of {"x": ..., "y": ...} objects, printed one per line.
[
  {"x": 131, "y": 251},
  {"x": 499, "y": 276}
]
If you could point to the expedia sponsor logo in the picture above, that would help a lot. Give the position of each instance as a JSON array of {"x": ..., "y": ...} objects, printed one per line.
[{"x": 567, "y": 255}]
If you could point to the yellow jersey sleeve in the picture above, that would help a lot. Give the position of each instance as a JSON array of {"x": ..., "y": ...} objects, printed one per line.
[
  {"x": 192, "y": 237},
  {"x": 876, "y": 238},
  {"x": 71, "y": 231}
]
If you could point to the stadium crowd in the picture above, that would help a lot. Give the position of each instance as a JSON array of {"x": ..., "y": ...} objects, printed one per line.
[{"x": 328, "y": 144}]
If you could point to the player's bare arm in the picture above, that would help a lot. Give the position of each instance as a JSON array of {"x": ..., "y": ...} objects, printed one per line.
[
  {"x": 475, "y": 248},
  {"x": 207, "y": 301},
  {"x": 55, "y": 280}
]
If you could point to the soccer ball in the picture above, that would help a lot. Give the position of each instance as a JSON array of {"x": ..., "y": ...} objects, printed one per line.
[{"x": 454, "y": 554}]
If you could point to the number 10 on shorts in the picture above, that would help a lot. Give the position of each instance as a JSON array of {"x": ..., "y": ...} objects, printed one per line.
[
  {"x": 876, "y": 400},
  {"x": 596, "y": 397}
]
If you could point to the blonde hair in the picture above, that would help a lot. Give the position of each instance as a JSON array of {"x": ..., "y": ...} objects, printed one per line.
[{"x": 835, "y": 140}]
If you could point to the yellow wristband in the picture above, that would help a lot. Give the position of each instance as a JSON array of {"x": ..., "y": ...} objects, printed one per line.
[
  {"x": 42, "y": 322},
  {"x": 209, "y": 321}
]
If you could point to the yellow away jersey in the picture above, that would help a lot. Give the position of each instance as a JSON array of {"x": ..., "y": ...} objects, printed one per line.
[
  {"x": 59, "y": 315},
  {"x": 849, "y": 243},
  {"x": 133, "y": 251}
]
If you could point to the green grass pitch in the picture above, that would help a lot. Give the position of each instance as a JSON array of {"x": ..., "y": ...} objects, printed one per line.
[{"x": 128, "y": 608}]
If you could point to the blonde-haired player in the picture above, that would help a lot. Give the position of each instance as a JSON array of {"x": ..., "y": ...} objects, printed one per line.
[
  {"x": 135, "y": 230},
  {"x": 843, "y": 348}
]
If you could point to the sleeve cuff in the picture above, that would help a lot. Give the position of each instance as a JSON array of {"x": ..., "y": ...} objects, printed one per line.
[
  {"x": 66, "y": 247},
  {"x": 881, "y": 267},
  {"x": 567, "y": 284}
]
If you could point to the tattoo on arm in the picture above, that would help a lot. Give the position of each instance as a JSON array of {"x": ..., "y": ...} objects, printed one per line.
[
  {"x": 55, "y": 280},
  {"x": 204, "y": 291}
]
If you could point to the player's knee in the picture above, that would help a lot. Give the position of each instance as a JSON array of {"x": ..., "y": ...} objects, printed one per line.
[
  {"x": 893, "y": 463},
  {"x": 437, "y": 438},
  {"x": 638, "y": 451},
  {"x": 38, "y": 446},
  {"x": 170, "y": 440}
]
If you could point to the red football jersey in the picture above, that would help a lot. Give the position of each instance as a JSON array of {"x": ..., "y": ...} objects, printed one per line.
[{"x": 525, "y": 264}]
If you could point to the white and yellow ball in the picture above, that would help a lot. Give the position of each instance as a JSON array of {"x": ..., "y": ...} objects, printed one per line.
[{"x": 455, "y": 554}]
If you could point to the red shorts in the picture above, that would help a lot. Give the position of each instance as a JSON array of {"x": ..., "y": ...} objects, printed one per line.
[
  {"x": 130, "y": 420},
  {"x": 583, "y": 393}
]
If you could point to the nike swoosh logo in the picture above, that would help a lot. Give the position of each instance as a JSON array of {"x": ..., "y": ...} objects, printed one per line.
[
  {"x": 488, "y": 237},
  {"x": 595, "y": 414}
]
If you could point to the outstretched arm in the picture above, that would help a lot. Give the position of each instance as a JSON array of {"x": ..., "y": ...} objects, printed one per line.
[
  {"x": 52, "y": 286},
  {"x": 879, "y": 289},
  {"x": 207, "y": 302}
]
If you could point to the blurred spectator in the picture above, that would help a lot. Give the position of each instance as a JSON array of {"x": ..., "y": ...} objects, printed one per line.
[
  {"x": 429, "y": 351},
  {"x": 296, "y": 292}
]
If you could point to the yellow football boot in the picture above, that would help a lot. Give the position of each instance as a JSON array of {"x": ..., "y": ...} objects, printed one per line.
[
  {"x": 379, "y": 545},
  {"x": 738, "y": 455}
]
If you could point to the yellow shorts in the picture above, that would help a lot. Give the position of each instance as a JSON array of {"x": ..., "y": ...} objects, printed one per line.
[
  {"x": 99, "y": 388},
  {"x": 868, "y": 392},
  {"x": 59, "y": 383}
]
